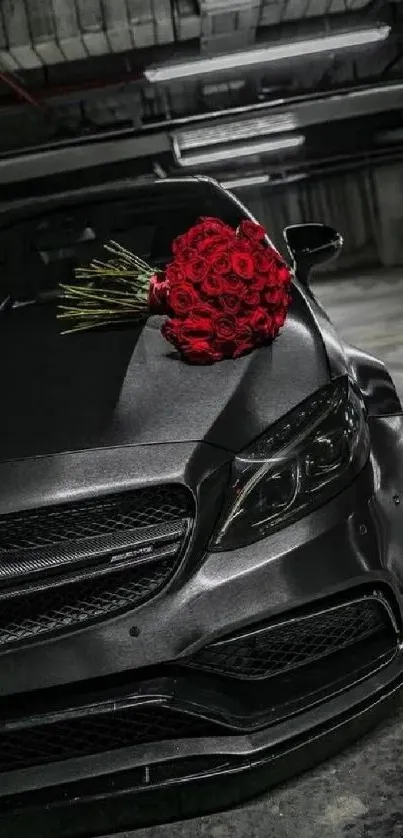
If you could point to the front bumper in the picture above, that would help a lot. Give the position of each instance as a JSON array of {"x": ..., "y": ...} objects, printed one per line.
[
  {"x": 352, "y": 544},
  {"x": 181, "y": 780}
]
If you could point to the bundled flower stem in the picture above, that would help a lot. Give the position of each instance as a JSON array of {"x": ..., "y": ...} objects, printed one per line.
[{"x": 114, "y": 291}]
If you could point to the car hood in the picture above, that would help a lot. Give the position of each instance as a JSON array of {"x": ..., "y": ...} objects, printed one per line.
[{"x": 128, "y": 387}]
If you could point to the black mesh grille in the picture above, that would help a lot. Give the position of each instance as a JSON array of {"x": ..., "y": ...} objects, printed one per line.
[
  {"x": 88, "y": 519},
  {"x": 361, "y": 637},
  {"x": 285, "y": 646},
  {"x": 69, "y": 565},
  {"x": 46, "y": 743},
  {"x": 71, "y": 604}
]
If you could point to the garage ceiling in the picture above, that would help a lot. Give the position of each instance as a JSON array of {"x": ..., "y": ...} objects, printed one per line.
[
  {"x": 42, "y": 33},
  {"x": 74, "y": 71}
]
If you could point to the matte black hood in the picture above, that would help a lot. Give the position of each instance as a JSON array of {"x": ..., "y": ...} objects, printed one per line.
[{"x": 127, "y": 386}]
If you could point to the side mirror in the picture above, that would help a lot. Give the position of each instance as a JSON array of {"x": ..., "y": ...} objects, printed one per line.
[{"x": 311, "y": 244}]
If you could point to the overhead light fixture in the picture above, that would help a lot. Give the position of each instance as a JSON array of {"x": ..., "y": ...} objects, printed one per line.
[
  {"x": 229, "y": 132},
  {"x": 234, "y": 151},
  {"x": 242, "y": 182},
  {"x": 269, "y": 54}
]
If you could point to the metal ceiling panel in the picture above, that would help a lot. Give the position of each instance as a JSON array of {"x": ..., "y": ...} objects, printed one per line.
[
  {"x": 91, "y": 22},
  {"x": 72, "y": 46},
  {"x": 142, "y": 22},
  {"x": 277, "y": 11},
  {"x": 228, "y": 24},
  {"x": 151, "y": 22},
  {"x": 187, "y": 20},
  {"x": 18, "y": 37},
  {"x": 294, "y": 10},
  {"x": 163, "y": 21},
  {"x": 272, "y": 11},
  {"x": 36, "y": 33},
  {"x": 46, "y": 32},
  {"x": 118, "y": 31},
  {"x": 74, "y": 158},
  {"x": 42, "y": 21},
  {"x": 7, "y": 62}
]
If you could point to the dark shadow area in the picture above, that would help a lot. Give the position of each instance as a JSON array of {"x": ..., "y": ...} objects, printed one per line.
[{"x": 57, "y": 384}]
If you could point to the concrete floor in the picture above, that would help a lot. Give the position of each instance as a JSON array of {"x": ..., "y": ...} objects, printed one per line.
[
  {"x": 368, "y": 313},
  {"x": 360, "y": 793}
]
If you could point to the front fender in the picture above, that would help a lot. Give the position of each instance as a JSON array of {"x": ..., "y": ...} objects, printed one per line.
[{"x": 369, "y": 373}]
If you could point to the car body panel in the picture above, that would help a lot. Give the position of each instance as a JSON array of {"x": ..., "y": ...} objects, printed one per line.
[
  {"x": 353, "y": 540},
  {"x": 129, "y": 416},
  {"x": 126, "y": 387}
]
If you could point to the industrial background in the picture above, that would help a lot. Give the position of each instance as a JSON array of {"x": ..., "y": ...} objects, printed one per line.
[
  {"x": 76, "y": 85},
  {"x": 96, "y": 90}
]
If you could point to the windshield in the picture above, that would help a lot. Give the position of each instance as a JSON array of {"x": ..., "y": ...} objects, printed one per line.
[{"x": 42, "y": 249}]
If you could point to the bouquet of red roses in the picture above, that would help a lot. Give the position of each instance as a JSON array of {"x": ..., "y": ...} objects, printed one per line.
[{"x": 224, "y": 293}]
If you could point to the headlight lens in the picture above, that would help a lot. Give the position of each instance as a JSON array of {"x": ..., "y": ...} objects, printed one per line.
[{"x": 302, "y": 462}]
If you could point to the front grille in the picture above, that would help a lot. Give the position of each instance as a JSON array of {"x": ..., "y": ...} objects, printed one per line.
[
  {"x": 30, "y": 614},
  {"x": 46, "y": 743},
  {"x": 282, "y": 647},
  {"x": 53, "y": 525},
  {"x": 63, "y": 567}
]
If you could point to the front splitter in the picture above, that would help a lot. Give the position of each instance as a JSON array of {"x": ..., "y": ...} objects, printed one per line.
[{"x": 189, "y": 786}]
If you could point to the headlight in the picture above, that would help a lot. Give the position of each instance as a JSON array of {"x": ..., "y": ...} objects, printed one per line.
[{"x": 302, "y": 462}]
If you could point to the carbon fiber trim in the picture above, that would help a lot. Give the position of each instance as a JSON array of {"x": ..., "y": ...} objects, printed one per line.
[
  {"x": 66, "y": 566},
  {"x": 137, "y": 545}
]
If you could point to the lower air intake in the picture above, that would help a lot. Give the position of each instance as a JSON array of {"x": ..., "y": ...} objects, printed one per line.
[
  {"x": 97, "y": 733},
  {"x": 301, "y": 641}
]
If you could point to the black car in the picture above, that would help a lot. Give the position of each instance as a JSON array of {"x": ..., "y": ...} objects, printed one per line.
[{"x": 200, "y": 567}]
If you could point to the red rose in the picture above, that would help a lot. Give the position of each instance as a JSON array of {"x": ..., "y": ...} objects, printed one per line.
[
  {"x": 196, "y": 269},
  {"x": 175, "y": 274},
  {"x": 179, "y": 243},
  {"x": 244, "y": 340},
  {"x": 233, "y": 284},
  {"x": 284, "y": 275},
  {"x": 225, "y": 326},
  {"x": 220, "y": 262},
  {"x": 251, "y": 296},
  {"x": 242, "y": 264},
  {"x": 260, "y": 321},
  {"x": 264, "y": 262},
  {"x": 157, "y": 295},
  {"x": 197, "y": 327},
  {"x": 279, "y": 318},
  {"x": 194, "y": 237},
  {"x": 212, "y": 285},
  {"x": 203, "y": 311},
  {"x": 200, "y": 351},
  {"x": 205, "y": 242},
  {"x": 206, "y": 228},
  {"x": 260, "y": 282},
  {"x": 230, "y": 303},
  {"x": 192, "y": 338},
  {"x": 184, "y": 254},
  {"x": 171, "y": 331},
  {"x": 178, "y": 331},
  {"x": 275, "y": 297},
  {"x": 214, "y": 226},
  {"x": 252, "y": 230},
  {"x": 181, "y": 299},
  {"x": 211, "y": 244}
]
